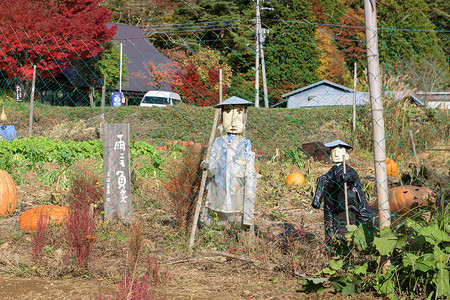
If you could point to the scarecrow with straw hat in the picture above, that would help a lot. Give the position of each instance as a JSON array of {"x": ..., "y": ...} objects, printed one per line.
[
  {"x": 231, "y": 187},
  {"x": 340, "y": 189}
]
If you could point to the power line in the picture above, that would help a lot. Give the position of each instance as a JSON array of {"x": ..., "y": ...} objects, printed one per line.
[{"x": 231, "y": 24}]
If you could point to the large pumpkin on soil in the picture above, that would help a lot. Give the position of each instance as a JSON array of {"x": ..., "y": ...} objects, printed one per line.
[
  {"x": 403, "y": 198},
  {"x": 8, "y": 194},
  {"x": 295, "y": 178},
  {"x": 53, "y": 215},
  {"x": 391, "y": 168}
]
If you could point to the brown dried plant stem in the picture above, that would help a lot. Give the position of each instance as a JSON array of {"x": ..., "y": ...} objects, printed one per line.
[
  {"x": 40, "y": 236},
  {"x": 81, "y": 225}
]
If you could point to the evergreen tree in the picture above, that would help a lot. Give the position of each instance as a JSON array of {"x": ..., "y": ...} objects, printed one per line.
[
  {"x": 409, "y": 45},
  {"x": 233, "y": 40},
  {"x": 292, "y": 57},
  {"x": 439, "y": 15}
]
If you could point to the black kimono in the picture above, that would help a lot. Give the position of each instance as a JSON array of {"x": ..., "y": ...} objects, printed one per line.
[{"x": 330, "y": 187}]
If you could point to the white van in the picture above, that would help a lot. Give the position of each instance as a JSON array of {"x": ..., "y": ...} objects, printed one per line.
[{"x": 158, "y": 98}]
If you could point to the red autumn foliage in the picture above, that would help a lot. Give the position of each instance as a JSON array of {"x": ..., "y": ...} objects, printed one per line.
[
  {"x": 351, "y": 37},
  {"x": 50, "y": 34},
  {"x": 183, "y": 74},
  {"x": 197, "y": 91}
]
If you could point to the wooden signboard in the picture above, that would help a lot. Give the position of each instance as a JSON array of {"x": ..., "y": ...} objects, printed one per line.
[
  {"x": 116, "y": 165},
  {"x": 20, "y": 93}
]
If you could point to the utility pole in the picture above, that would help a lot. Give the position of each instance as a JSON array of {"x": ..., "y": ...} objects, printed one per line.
[
  {"x": 262, "y": 37},
  {"x": 258, "y": 27}
]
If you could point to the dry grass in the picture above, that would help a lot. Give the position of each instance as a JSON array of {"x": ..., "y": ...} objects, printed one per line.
[
  {"x": 287, "y": 245},
  {"x": 183, "y": 186}
]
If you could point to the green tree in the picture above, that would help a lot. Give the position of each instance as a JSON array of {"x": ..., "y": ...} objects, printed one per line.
[
  {"x": 292, "y": 57},
  {"x": 409, "y": 45},
  {"x": 234, "y": 40},
  {"x": 94, "y": 70},
  {"x": 439, "y": 15}
]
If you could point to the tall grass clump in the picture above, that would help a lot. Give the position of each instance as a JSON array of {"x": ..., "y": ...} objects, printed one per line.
[
  {"x": 135, "y": 242},
  {"x": 81, "y": 225},
  {"x": 135, "y": 287},
  {"x": 183, "y": 186},
  {"x": 403, "y": 117}
]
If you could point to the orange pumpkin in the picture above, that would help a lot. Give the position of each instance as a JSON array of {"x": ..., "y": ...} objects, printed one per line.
[
  {"x": 391, "y": 168},
  {"x": 55, "y": 215},
  {"x": 8, "y": 194},
  {"x": 403, "y": 198},
  {"x": 295, "y": 179}
]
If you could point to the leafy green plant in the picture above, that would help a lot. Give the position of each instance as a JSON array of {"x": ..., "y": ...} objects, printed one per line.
[
  {"x": 296, "y": 157},
  {"x": 413, "y": 260},
  {"x": 20, "y": 156}
]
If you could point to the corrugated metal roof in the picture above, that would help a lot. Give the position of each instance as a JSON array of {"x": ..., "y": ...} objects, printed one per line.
[
  {"x": 336, "y": 99},
  {"x": 346, "y": 99},
  {"x": 325, "y": 82}
]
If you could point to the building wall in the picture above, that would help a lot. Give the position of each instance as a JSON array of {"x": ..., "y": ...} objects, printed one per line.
[
  {"x": 301, "y": 99},
  {"x": 438, "y": 104}
]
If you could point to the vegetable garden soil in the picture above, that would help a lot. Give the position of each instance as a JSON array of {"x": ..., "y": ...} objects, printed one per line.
[
  {"x": 267, "y": 265},
  {"x": 199, "y": 275}
]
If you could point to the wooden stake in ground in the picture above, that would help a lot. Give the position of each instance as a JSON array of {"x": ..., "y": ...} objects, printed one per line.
[
  {"x": 204, "y": 177},
  {"x": 205, "y": 172}
]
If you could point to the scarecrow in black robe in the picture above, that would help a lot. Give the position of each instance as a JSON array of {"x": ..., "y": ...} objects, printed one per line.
[{"x": 331, "y": 189}]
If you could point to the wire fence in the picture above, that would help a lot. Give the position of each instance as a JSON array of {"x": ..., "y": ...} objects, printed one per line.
[{"x": 309, "y": 78}]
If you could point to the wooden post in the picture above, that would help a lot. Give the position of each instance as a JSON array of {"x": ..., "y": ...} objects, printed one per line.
[
  {"x": 33, "y": 87},
  {"x": 412, "y": 143},
  {"x": 116, "y": 161}
]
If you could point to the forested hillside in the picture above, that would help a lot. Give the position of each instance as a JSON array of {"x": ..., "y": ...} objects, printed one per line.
[{"x": 307, "y": 40}]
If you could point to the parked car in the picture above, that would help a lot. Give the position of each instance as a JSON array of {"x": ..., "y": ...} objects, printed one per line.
[{"x": 158, "y": 98}]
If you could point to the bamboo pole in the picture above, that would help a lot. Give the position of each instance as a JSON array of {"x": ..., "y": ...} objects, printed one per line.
[
  {"x": 205, "y": 172},
  {"x": 379, "y": 144},
  {"x": 346, "y": 194},
  {"x": 103, "y": 99},
  {"x": 412, "y": 144},
  {"x": 203, "y": 182}
]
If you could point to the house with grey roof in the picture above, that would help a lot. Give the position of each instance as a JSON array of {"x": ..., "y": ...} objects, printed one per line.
[
  {"x": 439, "y": 100},
  {"x": 307, "y": 96},
  {"x": 328, "y": 94},
  {"x": 139, "y": 52}
]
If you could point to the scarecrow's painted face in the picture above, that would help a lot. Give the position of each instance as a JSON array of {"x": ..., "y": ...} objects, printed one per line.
[
  {"x": 233, "y": 117},
  {"x": 338, "y": 154}
]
